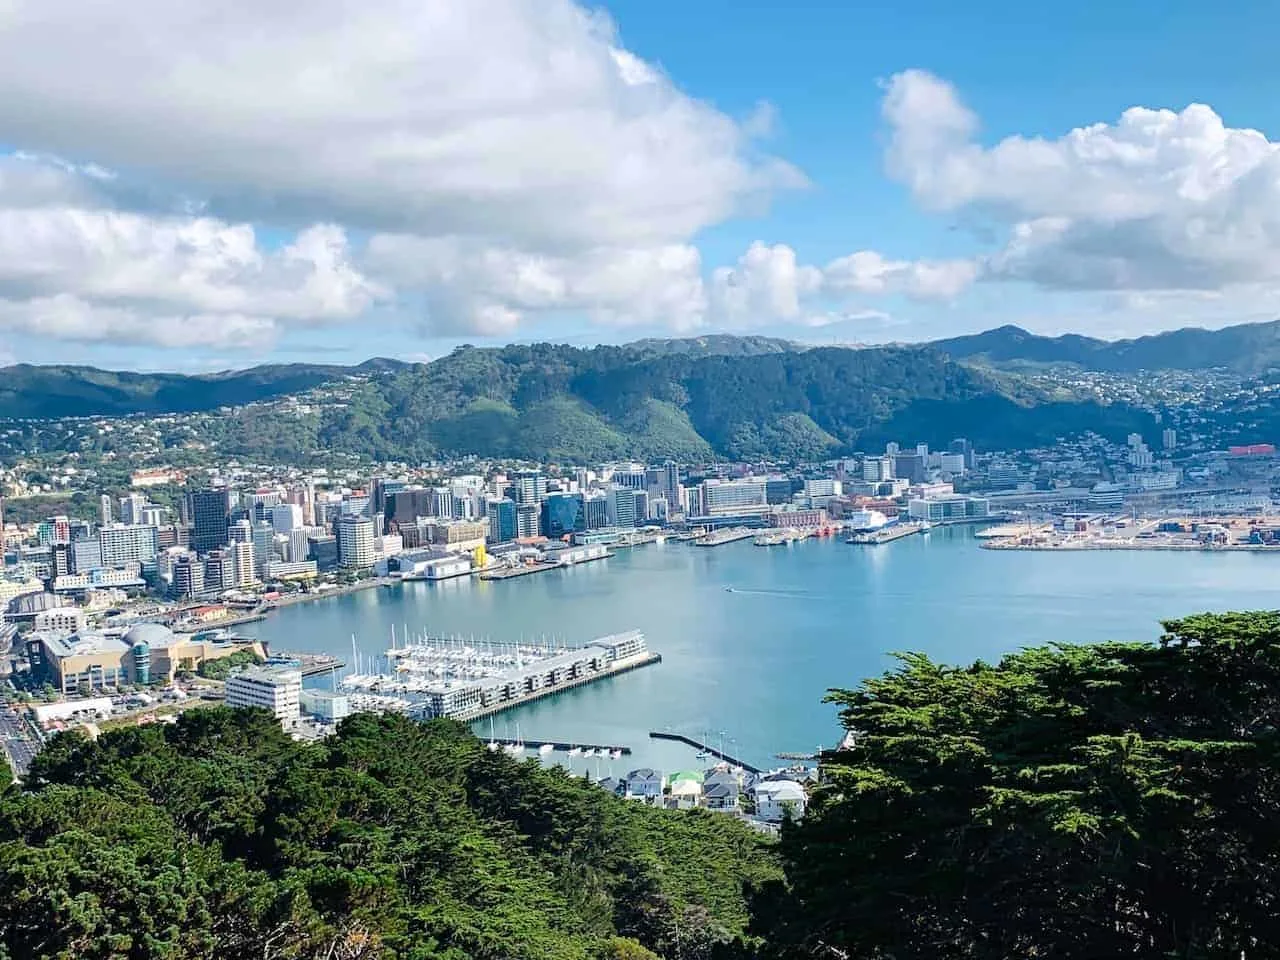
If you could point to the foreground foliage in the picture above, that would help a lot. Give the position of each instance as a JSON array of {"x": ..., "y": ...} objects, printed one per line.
[
  {"x": 221, "y": 837},
  {"x": 1115, "y": 800}
]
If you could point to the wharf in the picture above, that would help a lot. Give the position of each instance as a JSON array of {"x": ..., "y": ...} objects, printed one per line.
[
  {"x": 887, "y": 534},
  {"x": 719, "y": 538},
  {"x": 705, "y": 748},
  {"x": 218, "y": 624},
  {"x": 311, "y": 664},
  {"x": 525, "y": 570},
  {"x": 616, "y": 668},
  {"x": 560, "y": 746}
]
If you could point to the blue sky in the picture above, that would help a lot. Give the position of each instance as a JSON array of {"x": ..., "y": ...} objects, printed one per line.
[{"x": 398, "y": 179}]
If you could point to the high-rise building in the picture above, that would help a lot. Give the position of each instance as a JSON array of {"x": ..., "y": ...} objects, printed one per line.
[
  {"x": 54, "y": 530},
  {"x": 632, "y": 476},
  {"x": 1169, "y": 438},
  {"x": 876, "y": 469},
  {"x": 621, "y": 504},
  {"x": 262, "y": 536},
  {"x": 526, "y": 520},
  {"x": 407, "y": 505},
  {"x": 778, "y": 490},
  {"x": 125, "y": 543},
  {"x": 963, "y": 447},
  {"x": 357, "y": 542},
  {"x": 219, "y": 571},
  {"x": 891, "y": 449},
  {"x": 530, "y": 486},
  {"x": 243, "y": 555},
  {"x": 324, "y": 551},
  {"x": 563, "y": 514},
  {"x": 152, "y": 515},
  {"x": 502, "y": 520},
  {"x": 60, "y": 558},
  {"x": 104, "y": 510},
  {"x": 380, "y": 490},
  {"x": 210, "y": 512},
  {"x": 909, "y": 467},
  {"x": 299, "y": 548},
  {"x": 188, "y": 576},
  {"x": 595, "y": 511},
  {"x": 286, "y": 517},
  {"x": 131, "y": 507},
  {"x": 86, "y": 555},
  {"x": 442, "y": 503}
]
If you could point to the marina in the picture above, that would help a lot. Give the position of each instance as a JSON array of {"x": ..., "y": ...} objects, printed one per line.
[
  {"x": 545, "y": 747},
  {"x": 704, "y": 749},
  {"x": 471, "y": 679}
]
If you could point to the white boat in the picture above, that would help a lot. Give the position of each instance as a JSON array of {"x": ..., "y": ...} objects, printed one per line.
[
  {"x": 546, "y": 748},
  {"x": 615, "y": 755},
  {"x": 866, "y": 521},
  {"x": 575, "y": 752}
]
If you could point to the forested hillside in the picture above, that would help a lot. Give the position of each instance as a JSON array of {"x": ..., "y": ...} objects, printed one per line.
[{"x": 221, "y": 837}]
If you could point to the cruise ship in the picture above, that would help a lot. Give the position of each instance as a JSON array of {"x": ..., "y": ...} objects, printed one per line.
[{"x": 866, "y": 521}]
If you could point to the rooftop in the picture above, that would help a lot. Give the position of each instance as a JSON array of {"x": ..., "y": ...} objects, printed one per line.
[{"x": 82, "y": 644}]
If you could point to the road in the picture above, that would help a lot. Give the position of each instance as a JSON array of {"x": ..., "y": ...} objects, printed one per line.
[{"x": 19, "y": 746}]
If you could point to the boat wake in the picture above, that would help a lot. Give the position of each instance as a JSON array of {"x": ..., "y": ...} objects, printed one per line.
[{"x": 785, "y": 594}]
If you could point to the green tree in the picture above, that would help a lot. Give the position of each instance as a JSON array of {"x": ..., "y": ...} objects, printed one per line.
[{"x": 1072, "y": 801}]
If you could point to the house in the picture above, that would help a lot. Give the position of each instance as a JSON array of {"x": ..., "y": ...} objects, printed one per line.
[
  {"x": 686, "y": 789},
  {"x": 776, "y": 799},
  {"x": 643, "y": 784},
  {"x": 610, "y": 785},
  {"x": 720, "y": 795}
]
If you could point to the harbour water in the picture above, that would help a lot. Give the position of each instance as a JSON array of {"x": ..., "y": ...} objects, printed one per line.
[{"x": 752, "y": 638}]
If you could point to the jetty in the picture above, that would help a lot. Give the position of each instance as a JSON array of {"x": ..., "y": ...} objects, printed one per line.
[
  {"x": 887, "y": 534},
  {"x": 310, "y": 664},
  {"x": 705, "y": 748}
]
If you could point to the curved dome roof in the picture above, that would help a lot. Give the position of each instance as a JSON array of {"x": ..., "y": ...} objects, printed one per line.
[{"x": 152, "y": 634}]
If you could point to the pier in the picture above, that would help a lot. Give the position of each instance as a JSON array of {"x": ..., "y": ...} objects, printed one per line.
[
  {"x": 888, "y": 534},
  {"x": 718, "y": 538},
  {"x": 524, "y": 570},
  {"x": 705, "y": 748},
  {"x": 602, "y": 750},
  {"x": 310, "y": 664}
]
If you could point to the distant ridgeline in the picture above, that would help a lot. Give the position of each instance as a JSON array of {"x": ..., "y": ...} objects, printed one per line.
[
  {"x": 740, "y": 398},
  {"x": 1109, "y": 800}
]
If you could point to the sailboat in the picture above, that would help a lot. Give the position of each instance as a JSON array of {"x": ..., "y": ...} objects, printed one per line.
[
  {"x": 493, "y": 741},
  {"x": 575, "y": 752},
  {"x": 516, "y": 749},
  {"x": 546, "y": 748}
]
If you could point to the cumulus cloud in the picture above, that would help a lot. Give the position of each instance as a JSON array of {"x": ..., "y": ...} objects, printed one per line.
[
  {"x": 68, "y": 318},
  {"x": 518, "y": 118},
  {"x": 1158, "y": 200}
]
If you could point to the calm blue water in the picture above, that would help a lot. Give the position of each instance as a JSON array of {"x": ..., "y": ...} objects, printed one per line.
[{"x": 756, "y": 662}]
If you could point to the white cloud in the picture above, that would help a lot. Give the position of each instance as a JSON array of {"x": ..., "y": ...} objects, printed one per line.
[
  {"x": 1159, "y": 200},
  {"x": 68, "y": 318},
  {"x": 766, "y": 284},
  {"x": 519, "y": 119},
  {"x": 869, "y": 272}
]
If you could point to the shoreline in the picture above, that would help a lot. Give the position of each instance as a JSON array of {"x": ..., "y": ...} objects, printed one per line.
[{"x": 1175, "y": 547}]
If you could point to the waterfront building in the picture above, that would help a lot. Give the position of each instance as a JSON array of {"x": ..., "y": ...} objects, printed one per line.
[
  {"x": 324, "y": 551},
  {"x": 691, "y": 501},
  {"x": 274, "y": 689},
  {"x": 357, "y": 546},
  {"x": 621, "y": 506},
  {"x": 721, "y": 497},
  {"x": 526, "y": 520},
  {"x": 502, "y": 520},
  {"x": 298, "y": 547},
  {"x": 1106, "y": 495},
  {"x": 70, "y": 661},
  {"x": 563, "y": 514},
  {"x": 291, "y": 570},
  {"x": 777, "y": 800},
  {"x": 210, "y": 513},
  {"x": 263, "y": 537},
  {"x": 595, "y": 511},
  {"x": 953, "y": 507},
  {"x": 122, "y": 543}
]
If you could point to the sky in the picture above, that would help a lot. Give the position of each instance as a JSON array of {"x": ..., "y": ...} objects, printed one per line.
[{"x": 194, "y": 186}]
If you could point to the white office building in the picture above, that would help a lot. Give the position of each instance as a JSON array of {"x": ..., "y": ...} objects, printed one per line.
[
  {"x": 274, "y": 689},
  {"x": 725, "y": 497},
  {"x": 125, "y": 543}
]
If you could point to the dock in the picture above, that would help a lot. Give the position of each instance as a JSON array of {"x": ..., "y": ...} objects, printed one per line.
[
  {"x": 705, "y": 748},
  {"x": 718, "y": 538},
  {"x": 887, "y": 534},
  {"x": 524, "y": 570}
]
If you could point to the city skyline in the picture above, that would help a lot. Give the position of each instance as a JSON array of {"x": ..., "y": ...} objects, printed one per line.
[{"x": 827, "y": 176}]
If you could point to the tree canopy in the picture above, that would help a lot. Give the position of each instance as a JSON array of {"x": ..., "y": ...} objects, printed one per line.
[{"x": 1112, "y": 800}]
